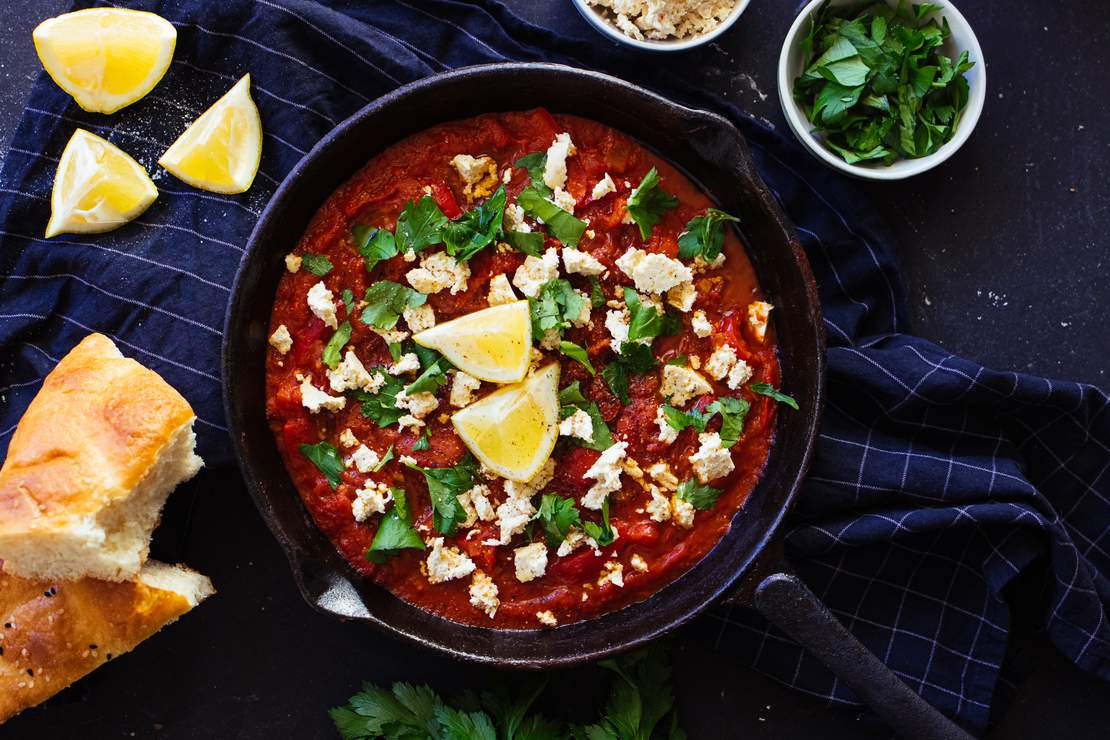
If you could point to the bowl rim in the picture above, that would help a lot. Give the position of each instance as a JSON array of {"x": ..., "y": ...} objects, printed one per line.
[
  {"x": 659, "y": 45},
  {"x": 902, "y": 168}
]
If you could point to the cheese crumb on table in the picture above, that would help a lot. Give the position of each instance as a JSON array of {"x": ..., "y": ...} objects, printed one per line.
[
  {"x": 447, "y": 563},
  {"x": 314, "y": 399},
  {"x": 711, "y": 461},
  {"x": 370, "y": 499},
  {"x": 322, "y": 304},
  {"x": 680, "y": 384},
  {"x": 439, "y": 271},
  {"x": 500, "y": 291},
  {"x": 483, "y": 594},
  {"x": 607, "y": 472},
  {"x": 530, "y": 561},
  {"x": 653, "y": 272},
  {"x": 536, "y": 271},
  {"x": 281, "y": 339}
]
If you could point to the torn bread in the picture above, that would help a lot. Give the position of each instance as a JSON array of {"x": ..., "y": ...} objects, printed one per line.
[
  {"x": 90, "y": 466},
  {"x": 54, "y": 632}
]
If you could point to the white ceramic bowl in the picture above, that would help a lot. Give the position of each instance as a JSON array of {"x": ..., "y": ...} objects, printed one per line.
[
  {"x": 791, "y": 66},
  {"x": 599, "y": 21}
]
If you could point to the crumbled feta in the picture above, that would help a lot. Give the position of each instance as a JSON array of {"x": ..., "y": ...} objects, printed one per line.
[
  {"x": 720, "y": 362},
  {"x": 555, "y": 169},
  {"x": 514, "y": 219},
  {"x": 700, "y": 265},
  {"x": 682, "y": 512},
  {"x": 711, "y": 461},
  {"x": 347, "y": 438},
  {"x": 583, "y": 317},
  {"x": 578, "y": 262},
  {"x": 700, "y": 324},
  {"x": 500, "y": 291},
  {"x": 680, "y": 384},
  {"x": 536, "y": 271},
  {"x": 607, "y": 472},
  {"x": 479, "y": 499},
  {"x": 418, "y": 405},
  {"x": 661, "y": 473},
  {"x": 406, "y": 460},
  {"x": 739, "y": 374},
  {"x": 613, "y": 573},
  {"x": 471, "y": 169},
  {"x": 666, "y": 19},
  {"x": 407, "y": 363},
  {"x": 293, "y": 262},
  {"x": 564, "y": 200},
  {"x": 513, "y": 516},
  {"x": 667, "y": 433},
  {"x": 547, "y": 618},
  {"x": 579, "y": 424},
  {"x": 682, "y": 296},
  {"x": 439, "y": 271},
  {"x": 389, "y": 336},
  {"x": 604, "y": 186},
  {"x": 483, "y": 594},
  {"x": 462, "y": 389},
  {"x": 322, "y": 303},
  {"x": 530, "y": 561},
  {"x": 281, "y": 339},
  {"x": 575, "y": 539},
  {"x": 616, "y": 321},
  {"x": 351, "y": 374},
  {"x": 420, "y": 318},
  {"x": 447, "y": 563},
  {"x": 659, "y": 508},
  {"x": 370, "y": 499},
  {"x": 528, "y": 489},
  {"x": 550, "y": 340},
  {"x": 364, "y": 459},
  {"x": 758, "y": 314},
  {"x": 653, "y": 272},
  {"x": 638, "y": 563},
  {"x": 409, "y": 256},
  {"x": 315, "y": 399}
]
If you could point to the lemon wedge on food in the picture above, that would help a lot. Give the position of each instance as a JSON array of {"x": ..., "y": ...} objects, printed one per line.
[
  {"x": 513, "y": 430},
  {"x": 220, "y": 151},
  {"x": 493, "y": 344},
  {"x": 97, "y": 187},
  {"x": 106, "y": 58}
]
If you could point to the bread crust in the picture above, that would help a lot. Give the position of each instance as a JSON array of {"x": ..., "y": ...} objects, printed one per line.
[
  {"x": 88, "y": 437},
  {"x": 54, "y": 632}
]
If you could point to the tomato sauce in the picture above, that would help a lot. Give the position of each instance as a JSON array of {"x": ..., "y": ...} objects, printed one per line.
[{"x": 374, "y": 197}]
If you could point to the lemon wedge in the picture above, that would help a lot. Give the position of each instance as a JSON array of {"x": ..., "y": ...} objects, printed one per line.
[
  {"x": 97, "y": 187},
  {"x": 493, "y": 344},
  {"x": 513, "y": 430},
  {"x": 106, "y": 58},
  {"x": 220, "y": 151}
]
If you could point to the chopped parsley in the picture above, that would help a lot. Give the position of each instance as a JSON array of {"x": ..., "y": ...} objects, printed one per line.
[
  {"x": 679, "y": 361},
  {"x": 334, "y": 348},
  {"x": 704, "y": 236},
  {"x": 571, "y": 400},
  {"x": 556, "y": 515},
  {"x": 646, "y": 320},
  {"x": 529, "y": 242},
  {"x": 647, "y": 203},
  {"x": 374, "y": 245},
  {"x": 326, "y": 458},
  {"x": 420, "y": 226},
  {"x": 555, "y": 306},
  {"x": 395, "y": 532},
  {"x": 633, "y": 359},
  {"x": 766, "y": 389},
  {"x": 577, "y": 353},
  {"x": 602, "y": 533},
  {"x": 535, "y": 163},
  {"x": 348, "y": 300},
  {"x": 386, "y": 301},
  {"x": 444, "y": 487},
  {"x": 434, "y": 374},
  {"x": 476, "y": 229},
  {"x": 678, "y": 419},
  {"x": 699, "y": 496},
  {"x": 733, "y": 411},
  {"x": 424, "y": 441},
  {"x": 385, "y": 459},
  {"x": 317, "y": 264},
  {"x": 597, "y": 295},
  {"x": 560, "y": 224},
  {"x": 382, "y": 406}
]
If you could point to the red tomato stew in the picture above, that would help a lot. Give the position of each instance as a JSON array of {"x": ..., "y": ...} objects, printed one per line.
[{"x": 636, "y": 287}]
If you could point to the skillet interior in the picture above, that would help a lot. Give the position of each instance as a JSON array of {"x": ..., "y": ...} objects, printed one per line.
[{"x": 708, "y": 149}]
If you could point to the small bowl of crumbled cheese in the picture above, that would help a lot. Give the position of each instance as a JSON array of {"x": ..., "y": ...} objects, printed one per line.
[{"x": 661, "y": 25}]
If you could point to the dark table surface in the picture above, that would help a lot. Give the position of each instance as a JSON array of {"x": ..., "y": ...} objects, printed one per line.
[{"x": 1003, "y": 252}]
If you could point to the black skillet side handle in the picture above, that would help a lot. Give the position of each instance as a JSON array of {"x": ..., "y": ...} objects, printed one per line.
[{"x": 788, "y": 604}]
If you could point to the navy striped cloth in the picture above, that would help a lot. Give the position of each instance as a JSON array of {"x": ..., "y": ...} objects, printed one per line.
[{"x": 936, "y": 481}]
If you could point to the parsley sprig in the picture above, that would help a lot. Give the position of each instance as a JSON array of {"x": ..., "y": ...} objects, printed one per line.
[
  {"x": 647, "y": 203},
  {"x": 571, "y": 400},
  {"x": 395, "y": 532},
  {"x": 704, "y": 236},
  {"x": 733, "y": 412},
  {"x": 386, "y": 301},
  {"x": 476, "y": 229},
  {"x": 382, "y": 406},
  {"x": 420, "y": 225},
  {"x": 325, "y": 457},
  {"x": 444, "y": 487}
]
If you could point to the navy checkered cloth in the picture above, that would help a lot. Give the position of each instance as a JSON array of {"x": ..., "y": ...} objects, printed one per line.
[{"x": 935, "y": 483}]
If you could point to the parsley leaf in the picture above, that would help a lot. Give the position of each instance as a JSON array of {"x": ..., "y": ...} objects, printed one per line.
[
  {"x": 570, "y": 400},
  {"x": 348, "y": 300},
  {"x": 555, "y": 306},
  {"x": 572, "y": 396},
  {"x": 529, "y": 242},
  {"x": 556, "y": 516},
  {"x": 435, "y": 371},
  {"x": 373, "y": 244},
  {"x": 382, "y": 406},
  {"x": 385, "y": 459},
  {"x": 697, "y": 495},
  {"x": 459, "y": 725},
  {"x": 602, "y": 533},
  {"x": 597, "y": 295},
  {"x": 645, "y": 320},
  {"x": 476, "y": 229},
  {"x": 535, "y": 163},
  {"x": 575, "y": 352},
  {"x": 317, "y": 264},
  {"x": 678, "y": 419},
  {"x": 420, "y": 226},
  {"x": 395, "y": 532},
  {"x": 560, "y": 224},
  {"x": 733, "y": 412},
  {"x": 424, "y": 442},
  {"x": 326, "y": 458},
  {"x": 386, "y": 301},
  {"x": 639, "y": 700},
  {"x": 647, "y": 203},
  {"x": 633, "y": 359},
  {"x": 334, "y": 348},
  {"x": 766, "y": 389},
  {"x": 444, "y": 487},
  {"x": 705, "y": 236}
]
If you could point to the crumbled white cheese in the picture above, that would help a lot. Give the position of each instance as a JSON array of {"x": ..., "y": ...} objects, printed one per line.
[
  {"x": 351, "y": 374},
  {"x": 604, "y": 186},
  {"x": 661, "y": 473},
  {"x": 667, "y": 433},
  {"x": 739, "y": 374},
  {"x": 462, "y": 389},
  {"x": 700, "y": 265},
  {"x": 616, "y": 321},
  {"x": 659, "y": 508},
  {"x": 471, "y": 169},
  {"x": 550, "y": 340},
  {"x": 720, "y": 362},
  {"x": 680, "y": 384},
  {"x": 322, "y": 303},
  {"x": 447, "y": 563},
  {"x": 514, "y": 219},
  {"x": 607, "y": 472},
  {"x": 420, "y": 318},
  {"x": 564, "y": 200},
  {"x": 370, "y": 499},
  {"x": 579, "y": 424},
  {"x": 479, "y": 499},
  {"x": 583, "y": 317},
  {"x": 406, "y": 460},
  {"x": 700, "y": 324},
  {"x": 527, "y": 489},
  {"x": 682, "y": 512},
  {"x": 666, "y": 19},
  {"x": 500, "y": 291},
  {"x": 418, "y": 405},
  {"x": 653, "y": 272},
  {"x": 638, "y": 563},
  {"x": 530, "y": 561},
  {"x": 407, "y": 363},
  {"x": 347, "y": 438},
  {"x": 483, "y": 594},
  {"x": 682, "y": 296},
  {"x": 439, "y": 271},
  {"x": 613, "y": 573},
  {"x": 315, "y": 399},
  {"x": 409, "y": 256},
  {"x": 711, "y": 461},
  {"x": 758, "y": 314},
  {"x": 364, "y": 459},
  {"x": 389, "y": 336},
  {"x": 555, "y": 168},
  {"x": 547, "y": 618},
  {"x": 575, "y": 539},
  {"x": 281, "y": 339},
  {"x": 513, "y": 516},
  {"x": 536, "y": 271},
  {"x": 293, "y": 262},
  {"x": 578, "y": 262}
]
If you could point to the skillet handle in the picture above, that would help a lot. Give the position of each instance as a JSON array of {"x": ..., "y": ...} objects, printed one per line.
[{"x": 788, "y": 603}]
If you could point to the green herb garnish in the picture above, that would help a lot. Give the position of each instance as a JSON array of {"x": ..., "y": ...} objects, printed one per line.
[
  {"x": 646, "y": 320},
  {"x": 374, "y": 245},
  {"x": 571, "y": 400},
  {"x": 577, "y": 353},
  {"x": 766, "y": 389},
  {"x": 444, "y": 487},
  {"x": 733, "y": 411},
  {"x": 602, "y": 533},
  {"x": 348, "y": 300},
  {"x": 386, "y": 301},
  {"x": 633, "y": 359},
  {"x": 535, "y": 163},
  {"x": 395, "y": 533},
  {"x": 424, "y": 441},
  {"x": 597, "y": 295},
  {"x": 476, "y": 229},
  {"x": 560, "y": 224},
  {"x": 334, "y": 348},
  {"x": 556, "y": 306},
  {"x": 317, "y": 264},
  {"x": 382, "y": 406},
  {"x": 326, "y": 458},
  {"x": 556, "y": 515},
  {"x": 647, "y": 203},
  {"x": 697, "y": 495},
  {"x": 420, "y": 226},
  {"x": 434, "y": 374},
  {"x": 705, "y": 236},
  {"x": 385, "y": 459},
  {"x": 529, "y": 242}
]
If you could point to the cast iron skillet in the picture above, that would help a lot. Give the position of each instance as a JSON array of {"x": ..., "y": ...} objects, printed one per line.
[{"x": 711, "y": 151}]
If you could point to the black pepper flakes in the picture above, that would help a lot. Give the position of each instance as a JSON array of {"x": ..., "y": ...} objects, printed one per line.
[{"x": 30, "y": 672}]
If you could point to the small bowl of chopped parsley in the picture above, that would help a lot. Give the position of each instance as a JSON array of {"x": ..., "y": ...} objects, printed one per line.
[{"x": 882, "y": 89}]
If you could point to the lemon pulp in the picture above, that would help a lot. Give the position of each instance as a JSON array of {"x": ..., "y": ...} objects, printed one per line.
[{"x": 493, "y": 344}]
